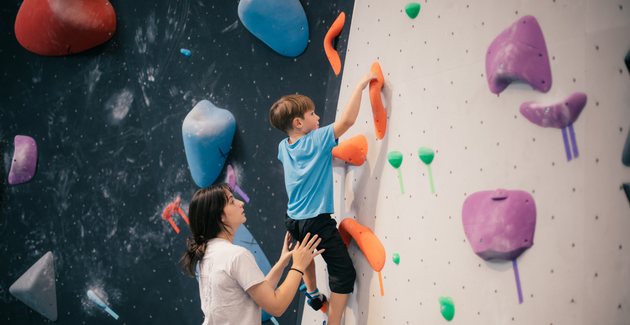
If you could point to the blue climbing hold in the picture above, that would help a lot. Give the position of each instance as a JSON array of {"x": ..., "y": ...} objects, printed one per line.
[
  {"x": 185, "y": 52},
  {"x": 208, "y": 132},
  {"x": 281, "y": 24}
]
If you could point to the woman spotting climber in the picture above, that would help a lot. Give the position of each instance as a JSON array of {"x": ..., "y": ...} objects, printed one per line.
[{"x": 231, "y": 285}]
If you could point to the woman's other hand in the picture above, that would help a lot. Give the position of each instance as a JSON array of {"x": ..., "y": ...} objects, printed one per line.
[{"x": 304, "y": 253}]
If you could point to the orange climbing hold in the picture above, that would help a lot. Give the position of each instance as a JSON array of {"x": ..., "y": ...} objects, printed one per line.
[
  {"x": 369, "y": 244},
  {"x": 59, "y": 27},
  {"x": 378, "y": 110},
  {"x": 353, "y": 150},
  {"x": 334, "y": 30}
]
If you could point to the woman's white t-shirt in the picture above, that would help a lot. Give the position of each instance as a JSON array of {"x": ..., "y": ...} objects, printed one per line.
[{"x": 226, "y": 273}]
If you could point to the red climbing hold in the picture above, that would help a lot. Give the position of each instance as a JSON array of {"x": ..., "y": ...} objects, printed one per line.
[{"x": 61, "y": 27}]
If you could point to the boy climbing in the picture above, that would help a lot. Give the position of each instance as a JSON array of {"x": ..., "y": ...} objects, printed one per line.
[{"x": 307, "y": 159}]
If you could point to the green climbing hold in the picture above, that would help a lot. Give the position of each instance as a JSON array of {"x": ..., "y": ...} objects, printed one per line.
[
  {"x": 447, "y": 307},
  {"x": 395, "y": 158},
  {"x": 396, "y": 258},
  {"x": 412, "y": 9},
  {"x": 426, "y": 155}
]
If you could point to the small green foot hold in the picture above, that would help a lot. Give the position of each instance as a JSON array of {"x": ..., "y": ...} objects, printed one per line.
[
  {"x": 426, "y": 155},
  {"x": 412, "y": 9},
  {"x": 396, "y": 258},
  {"x": 395, "y": 158},
  {"x": 447, "y": 307}
]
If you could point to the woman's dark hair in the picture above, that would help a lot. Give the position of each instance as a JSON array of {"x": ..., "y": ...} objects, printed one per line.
[{"x": 205, "y": 212}]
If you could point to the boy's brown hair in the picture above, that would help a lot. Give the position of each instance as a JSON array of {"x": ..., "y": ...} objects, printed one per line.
[{"x": 287, "y": 108}]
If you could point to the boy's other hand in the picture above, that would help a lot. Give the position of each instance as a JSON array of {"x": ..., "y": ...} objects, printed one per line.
[{"x": 365, "y": 80}]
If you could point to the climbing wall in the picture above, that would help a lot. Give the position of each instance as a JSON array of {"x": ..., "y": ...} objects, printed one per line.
[
  {"x": 437, "y": 96},
  {"x": 111, "y": 157}
]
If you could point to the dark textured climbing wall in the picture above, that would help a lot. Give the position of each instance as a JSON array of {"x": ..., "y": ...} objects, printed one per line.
[{"x": 107, "y": 123}]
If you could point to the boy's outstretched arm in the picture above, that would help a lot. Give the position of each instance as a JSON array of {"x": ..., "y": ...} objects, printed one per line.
[{"x": 351, "y": 111}]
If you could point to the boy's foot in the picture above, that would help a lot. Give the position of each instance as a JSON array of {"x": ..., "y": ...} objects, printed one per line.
[
  {"x": 316, "y": 300},
  {"x": 319, "y": 303}
]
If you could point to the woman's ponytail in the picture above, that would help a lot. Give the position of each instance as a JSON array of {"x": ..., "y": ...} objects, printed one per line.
[{"x": 194, "y": 254}]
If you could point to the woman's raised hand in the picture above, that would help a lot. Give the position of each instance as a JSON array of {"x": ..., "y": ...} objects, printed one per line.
[{"x": 304, "y": 253}]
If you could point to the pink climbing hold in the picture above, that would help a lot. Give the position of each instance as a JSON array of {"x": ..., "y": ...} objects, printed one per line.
[
  {"x": 24, "y": 162},
  {"x": 519, "y": 52},
  {"x": 499, "y": 224},
  {"x": 61, "y": 27},
  {"x": 558, "y": 115}
]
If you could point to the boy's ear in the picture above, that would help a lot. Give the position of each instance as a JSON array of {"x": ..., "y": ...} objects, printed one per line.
[{"x": 297, "y": 124}]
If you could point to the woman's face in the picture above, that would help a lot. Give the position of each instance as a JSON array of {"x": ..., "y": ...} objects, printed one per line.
[{"x": 233, "y": 213}]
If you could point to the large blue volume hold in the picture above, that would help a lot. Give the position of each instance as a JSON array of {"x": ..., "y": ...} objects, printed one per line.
[
  {"x": 208, "y": 132},
  {"x": 281, "y": 24}
]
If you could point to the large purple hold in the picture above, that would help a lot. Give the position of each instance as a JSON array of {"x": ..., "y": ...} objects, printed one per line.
[
  {"x": 499, "y": 224},
  {"x": 559, "y": 115},
  {"x": 24, "y": 160},
  {"x": 519, "y": 52}
]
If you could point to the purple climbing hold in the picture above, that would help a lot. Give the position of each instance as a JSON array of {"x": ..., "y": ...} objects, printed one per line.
[
  {"x": 499, "y": 224},
  {"x": 519, "y": 52},
  {"x": 24, "y": 161},
  {"x": 558, "y": 115}
]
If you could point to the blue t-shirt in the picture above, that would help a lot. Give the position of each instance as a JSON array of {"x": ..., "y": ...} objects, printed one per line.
[{"x": 308, "y": 173}]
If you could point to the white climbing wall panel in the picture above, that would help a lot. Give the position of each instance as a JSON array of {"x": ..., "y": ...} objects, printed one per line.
[{"x": 436, "y": 96}]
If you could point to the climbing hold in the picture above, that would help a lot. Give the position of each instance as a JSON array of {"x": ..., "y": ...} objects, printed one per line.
[
  {"x": 231, "y": 180},
  {"x": 427, "y": 155},
  {"x": 58, "y": 27},
  {"x": 447, "y": 307},
  {"x": 412, "y": 9},
  {"x": 395, "y": 159},
  {"x": 626, "y": 188},
  {"x": 97, "y": 300},
  {"x": 281, "y": 24},
  {"x": 185, "y": 52},
  {"x": 625, "y": 157},
  {"x": 627, "y": 60},
  {"x": 331, "y": 53},
  {"x": 24, "y": 161},
  {"x": 396, "y": 258},
  {"x": 369, "y": 244},
  {"x": 499, "y": 224},
  {"x": 519, "y": 52},
  {"x": 170, "y": 210},
  {"x": 378, "y": 110},
  {"x": 558, "y": 115},
  {"x": 353, "y": 150},
  {"x": 208, "y": 132},
  {"x": 36, "y": 287}
]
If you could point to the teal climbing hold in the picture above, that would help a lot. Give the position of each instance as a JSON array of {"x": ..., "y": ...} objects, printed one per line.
[
  {"x": 208, "y": 132},
  {"x": 412, "y": 9},
  {"x": 447, "y": 307}
]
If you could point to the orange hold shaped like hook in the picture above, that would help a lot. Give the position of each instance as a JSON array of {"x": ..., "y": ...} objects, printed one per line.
[
  {"x": 378, "y": 110},
  {"x": 369, "y": 244},
  {"x": 334, "y": 30},
  {"x": 353, "y": 150}
]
